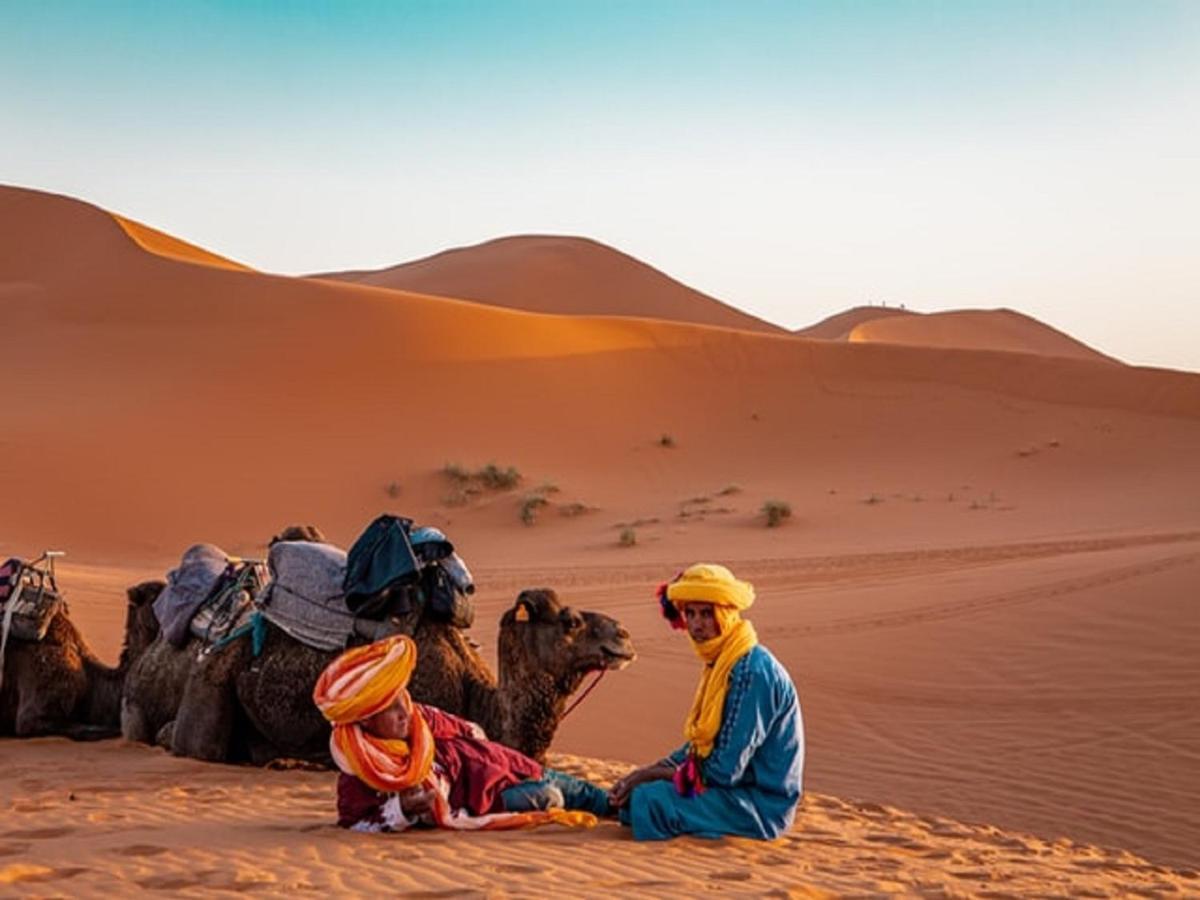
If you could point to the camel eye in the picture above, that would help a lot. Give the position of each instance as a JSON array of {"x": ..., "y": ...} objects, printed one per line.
[{"x": 571, "y": 621}]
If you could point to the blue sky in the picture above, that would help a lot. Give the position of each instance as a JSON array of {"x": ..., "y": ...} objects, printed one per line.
[{"x": 793, "y": 159}]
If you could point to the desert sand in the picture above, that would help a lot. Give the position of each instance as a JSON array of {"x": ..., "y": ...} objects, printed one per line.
[{"x": 985, "y": 590}]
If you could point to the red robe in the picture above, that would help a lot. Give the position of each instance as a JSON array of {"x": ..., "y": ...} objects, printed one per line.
[{"x": 477, "y": 769}]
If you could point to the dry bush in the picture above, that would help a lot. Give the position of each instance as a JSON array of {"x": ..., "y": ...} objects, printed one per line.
[
  {"x": 530, "y": 506},
  {"x": 628, "y": 537},
  {"x": 497, "y": 479},
  {"x": 393, "y": 489},
  {"x": 729, "y": 489},
  {"x": 666, "y": 441},
  {"x": 776, "y": 512},
  {"x": 571, "y": 510}
]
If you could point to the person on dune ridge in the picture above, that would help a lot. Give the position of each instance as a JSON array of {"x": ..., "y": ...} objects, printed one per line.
[
  {"x": 740, "y": 770},
  {"x": 404, "y": 763}
]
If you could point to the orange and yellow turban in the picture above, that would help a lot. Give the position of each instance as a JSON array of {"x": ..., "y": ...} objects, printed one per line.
[{"x": 357, "y": 685}]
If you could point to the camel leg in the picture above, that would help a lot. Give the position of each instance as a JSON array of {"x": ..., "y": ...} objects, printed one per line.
[
  {"x": 134, "y": 726},
  {"x": 204, "y": 723}
]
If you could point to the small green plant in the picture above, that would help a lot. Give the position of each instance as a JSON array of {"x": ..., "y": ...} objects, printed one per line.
[
  {"x": 628, "y": 537},
  {"x": 776, "y": 511},
  {"x": 530, "y": 506},
  {"x": 666, "y": 441}
]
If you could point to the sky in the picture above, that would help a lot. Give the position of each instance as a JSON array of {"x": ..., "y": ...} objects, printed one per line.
[{"x": 792, "y": 159}]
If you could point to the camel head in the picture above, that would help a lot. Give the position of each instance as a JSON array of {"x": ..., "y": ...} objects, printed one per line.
[
  {"x": 141, "y": 625},
  {"x": 539, "y": 634}
]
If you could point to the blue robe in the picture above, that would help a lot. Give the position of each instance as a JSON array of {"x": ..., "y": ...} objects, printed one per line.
[{"x": 753, "y": 775}]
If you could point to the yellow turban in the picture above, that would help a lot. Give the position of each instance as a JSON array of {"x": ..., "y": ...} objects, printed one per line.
[
  {"x": 710, "y": 583},
  {"x": 365, "y": 680}
]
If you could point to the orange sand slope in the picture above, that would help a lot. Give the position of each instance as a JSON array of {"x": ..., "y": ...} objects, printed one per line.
[
  {"x": 974, "y": 329},
  {"x": 839, "y": 326},
  {"x": 154, "y": 402},
  {"x": 156, "y": 241},
  {"x": 549, "y": 274},
  {"x": 119, "y": 817}
]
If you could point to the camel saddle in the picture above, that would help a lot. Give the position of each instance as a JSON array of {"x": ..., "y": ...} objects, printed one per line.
[
  {"x": 304, "y": 594},
  {"x": 29, "y": 598}
]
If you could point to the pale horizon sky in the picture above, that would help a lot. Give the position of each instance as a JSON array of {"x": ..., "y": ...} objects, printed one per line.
[{"x": 791, "y": 159}]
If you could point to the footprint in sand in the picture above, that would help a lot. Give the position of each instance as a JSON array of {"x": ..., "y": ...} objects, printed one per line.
[
  {"x": 140, "y": 850},
  {"x": 517, "y": 869},
  {"x": 732, "y": 875},
  {"x": 39, "y": 834}
]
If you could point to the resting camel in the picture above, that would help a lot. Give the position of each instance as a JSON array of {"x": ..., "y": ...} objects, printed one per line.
[
  {"x": 545, "y": 651},
  {"x": 156, "y": 682},
  {"x": 58, "y": 686}
]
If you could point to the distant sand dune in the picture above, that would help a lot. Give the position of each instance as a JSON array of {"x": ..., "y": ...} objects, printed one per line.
[
  {"x": 974, "y": 329},
  {"x": 552, "y": 274}
]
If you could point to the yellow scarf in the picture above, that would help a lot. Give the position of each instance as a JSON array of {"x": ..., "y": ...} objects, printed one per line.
[{"x": 737, "y": 638}]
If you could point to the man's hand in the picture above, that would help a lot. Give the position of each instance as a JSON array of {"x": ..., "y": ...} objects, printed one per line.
[
  {"x": 416, "y": 801},
  {"x": 621, "y": 791}
]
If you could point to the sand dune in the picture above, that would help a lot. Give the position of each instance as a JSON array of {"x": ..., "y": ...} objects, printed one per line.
[
  {"x": 563, "y": 275},
  {"x": 839, "y": 326},
  {"x": 984, "y": 590},
  {"x": 974, "y": 329}
]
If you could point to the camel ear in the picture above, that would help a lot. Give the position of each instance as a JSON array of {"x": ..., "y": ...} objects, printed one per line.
[{"x": 521, "y": 612}]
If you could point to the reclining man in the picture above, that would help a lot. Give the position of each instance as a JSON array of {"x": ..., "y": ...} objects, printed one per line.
[
  {"x": 404, "y": 763},
  {"x": 740, "y": 770}
]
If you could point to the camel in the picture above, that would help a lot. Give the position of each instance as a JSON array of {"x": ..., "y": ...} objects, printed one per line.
[
  {"x": 154, "y": 689},
  {"x": 58, "y": 686},
  {"x": 545, "y": 651}
]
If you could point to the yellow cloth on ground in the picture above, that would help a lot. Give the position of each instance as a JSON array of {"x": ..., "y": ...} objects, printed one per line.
[{"x": 716, "y": 585}]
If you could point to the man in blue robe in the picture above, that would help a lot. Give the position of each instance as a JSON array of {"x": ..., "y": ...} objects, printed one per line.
[{"x": 740, "y": 770}]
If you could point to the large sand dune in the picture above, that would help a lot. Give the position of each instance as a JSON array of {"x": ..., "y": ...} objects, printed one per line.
[
  {"x": 554, "y": 274},
  {"x": 984, "y": 591}
]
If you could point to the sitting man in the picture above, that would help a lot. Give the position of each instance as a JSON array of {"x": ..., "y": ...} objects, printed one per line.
[
  {"x": 740, "y": 771},
  {"x": 404, "y": 763}
]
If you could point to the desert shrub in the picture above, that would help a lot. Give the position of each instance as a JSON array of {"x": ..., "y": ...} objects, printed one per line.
[
  {"x": 393, "y": 489},
  {"x": 872, "y": 499},
  {"x": 666, "y": 441},
  {"x": 570, "y": 510},
  {"x": 529, "y": 507},
  {"x": 776, "y": 511},
  {"x": 628, "y": 537},
  {"x": 729, "y": 489},
  {"x": 498, "y": 479},
  {"x": 455, "y": 472}
]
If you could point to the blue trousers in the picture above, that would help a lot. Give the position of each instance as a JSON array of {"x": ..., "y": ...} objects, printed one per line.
[{"x": 556, "y": 790}]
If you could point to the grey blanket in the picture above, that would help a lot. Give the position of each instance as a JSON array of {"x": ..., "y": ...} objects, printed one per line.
[
  {"x": 188, "y": 586},
  {"x": 304, "y": 596}
]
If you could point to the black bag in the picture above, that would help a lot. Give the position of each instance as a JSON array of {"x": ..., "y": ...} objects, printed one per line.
[{"x": 381, "y": 558}]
